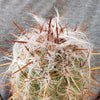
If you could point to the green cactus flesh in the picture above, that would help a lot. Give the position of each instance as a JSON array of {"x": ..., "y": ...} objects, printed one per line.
[{"x": 60, "y": 79}]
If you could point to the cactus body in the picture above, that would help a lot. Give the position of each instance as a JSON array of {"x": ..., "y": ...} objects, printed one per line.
[{"x": 50, "y": 63}]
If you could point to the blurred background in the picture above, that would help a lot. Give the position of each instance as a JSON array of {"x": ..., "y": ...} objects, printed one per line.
[{"x": 77, "y": 12}]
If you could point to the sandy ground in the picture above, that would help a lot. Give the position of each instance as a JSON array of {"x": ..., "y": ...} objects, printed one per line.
[{"x": 78, "y": 12}]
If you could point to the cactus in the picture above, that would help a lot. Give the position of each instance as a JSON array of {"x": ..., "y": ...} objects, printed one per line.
[{"x": 51, "y": 62}]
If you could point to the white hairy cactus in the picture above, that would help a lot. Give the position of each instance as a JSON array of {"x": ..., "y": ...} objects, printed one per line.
[{"x": 51, "y": 62}]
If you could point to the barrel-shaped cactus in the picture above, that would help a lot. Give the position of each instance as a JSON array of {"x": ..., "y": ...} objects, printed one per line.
[{"x": 51, "y": 62}]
